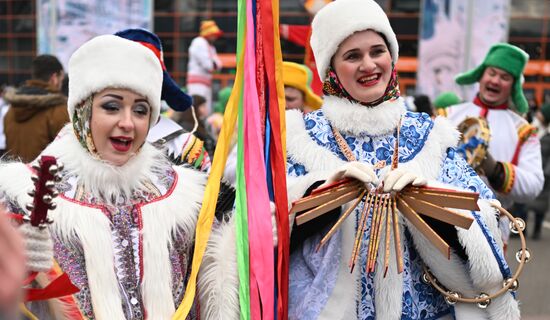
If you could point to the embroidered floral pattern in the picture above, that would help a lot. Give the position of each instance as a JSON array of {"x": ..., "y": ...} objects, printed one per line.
[
  {"x": 456, "y": 171},
  {"x": 70, "y": 257},
  {"x": 309, "y": 266}
]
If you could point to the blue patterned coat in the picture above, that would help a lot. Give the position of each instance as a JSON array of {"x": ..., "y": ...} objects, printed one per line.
[{"x": 321, "y": 286}]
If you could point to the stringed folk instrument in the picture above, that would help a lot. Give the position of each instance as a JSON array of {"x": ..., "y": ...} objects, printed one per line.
[{"x": 47, "y": 171}]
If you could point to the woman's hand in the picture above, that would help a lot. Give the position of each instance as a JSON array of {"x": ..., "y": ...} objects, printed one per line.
[
  {"x": 356, "y": 170},
  {"x": 12, "y": 264},
  {"x": 396, "y": 180},
  {"x": 38, "y": 247}
]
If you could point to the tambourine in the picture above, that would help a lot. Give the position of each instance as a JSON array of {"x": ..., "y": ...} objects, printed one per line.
[
  {"x": 523, "y": 255},
  {"x": 474, "y": 140}
]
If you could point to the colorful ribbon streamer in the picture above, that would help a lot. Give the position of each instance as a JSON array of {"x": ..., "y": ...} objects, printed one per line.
[
  {"x": 206, "y": 215},
  {"x": 259, "y": 216},
  {"x": 257, "y": 101}
]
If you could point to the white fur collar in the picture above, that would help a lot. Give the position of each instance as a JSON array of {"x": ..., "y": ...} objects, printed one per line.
[
  {"x": 356, "y": 119},
  {"x": 104, "y": 180}
]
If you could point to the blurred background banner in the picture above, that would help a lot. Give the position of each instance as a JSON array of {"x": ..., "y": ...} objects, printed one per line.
[
  {"x": 63, "y": 25},
  {"x": 454, "y": 37}
]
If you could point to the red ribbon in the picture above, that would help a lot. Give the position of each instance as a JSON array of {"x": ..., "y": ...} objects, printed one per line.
[
  {"x": 61, "y": 286},
  {"x": 15, "y": 216},
  {"x": 278, "y": 163}
]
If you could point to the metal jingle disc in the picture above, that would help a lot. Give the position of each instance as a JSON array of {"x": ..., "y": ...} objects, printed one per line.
[
  {"x": 527, "y": 255},
  {"x": 47, "y": 199},
  {"x": 520, "y": 223},
  {"x": 29, "y": 206},
  {"x": 452, "y": 297},
  {"x": 50, "y": 184},
  {"x": 53, "y": 169},
  {"x": 483, "y": 304},
  {"x": 514, "y": 286}
]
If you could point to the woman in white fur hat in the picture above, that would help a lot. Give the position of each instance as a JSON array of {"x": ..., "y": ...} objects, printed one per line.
[
  {"x": 124, "y": 225},
  {"x": 353, "y": 135}
]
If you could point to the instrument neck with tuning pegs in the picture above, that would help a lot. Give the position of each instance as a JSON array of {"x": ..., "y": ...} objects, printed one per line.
[{"x": 47, "y": 171}]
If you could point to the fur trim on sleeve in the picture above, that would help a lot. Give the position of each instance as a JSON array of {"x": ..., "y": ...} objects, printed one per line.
[
  {"x": 302, "y": 149},
  {"x": 163, "y": 220},
  {"x": 218, "y": 281}
]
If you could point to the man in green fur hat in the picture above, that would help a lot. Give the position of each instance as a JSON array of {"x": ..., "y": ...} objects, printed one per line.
[{"x": 513, "y": 165}]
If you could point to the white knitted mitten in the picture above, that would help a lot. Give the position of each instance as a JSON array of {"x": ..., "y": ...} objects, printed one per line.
[
  {"x": 396, "y": 180},
  {"x": 356, "y": 170},
  {"x": 38, "y": 247}
]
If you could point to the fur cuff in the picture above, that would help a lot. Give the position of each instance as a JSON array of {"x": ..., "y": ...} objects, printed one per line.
[{"x": 297, "y": 187}]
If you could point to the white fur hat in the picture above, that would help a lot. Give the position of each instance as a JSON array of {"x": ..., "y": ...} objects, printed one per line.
[
  {"x": 338, "y": 20},
  {"x": 109, "y": 61}
]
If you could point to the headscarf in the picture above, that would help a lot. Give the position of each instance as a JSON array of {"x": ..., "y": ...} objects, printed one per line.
[{"x": 81, "y": 126}]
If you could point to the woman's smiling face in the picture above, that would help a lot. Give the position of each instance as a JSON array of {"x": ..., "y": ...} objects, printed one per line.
[
  {"x": 119, "y": 124},
  {"x": 363, "y": 65}
]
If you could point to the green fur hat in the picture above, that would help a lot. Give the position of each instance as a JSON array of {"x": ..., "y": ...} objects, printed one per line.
[
  {"x": 446, "y": 99},
  {"x": 508, "y": 58},
  {"x": 223, "y": 97}
]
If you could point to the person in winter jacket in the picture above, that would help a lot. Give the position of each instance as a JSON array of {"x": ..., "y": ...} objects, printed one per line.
[{"x": 38, "y": 110}]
